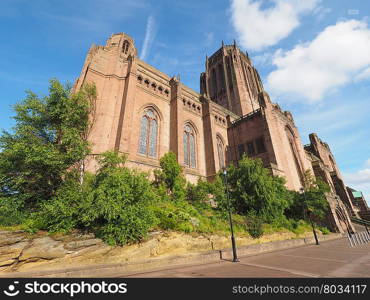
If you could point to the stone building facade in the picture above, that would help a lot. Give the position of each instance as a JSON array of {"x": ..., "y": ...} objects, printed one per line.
[{"x": 145, "y": 113}]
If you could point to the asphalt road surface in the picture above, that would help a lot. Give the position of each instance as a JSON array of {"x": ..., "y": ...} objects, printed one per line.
[{"x": 329, "y": 259}]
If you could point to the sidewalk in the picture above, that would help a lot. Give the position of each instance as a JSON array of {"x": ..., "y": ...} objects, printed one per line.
[{"x": 333, "y": 258}]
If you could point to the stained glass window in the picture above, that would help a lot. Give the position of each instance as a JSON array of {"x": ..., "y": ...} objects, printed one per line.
[
  {"x": 153, "y": 138},
  {"x": 143, "y": 135},
  {"x": 186, "y": 147},
  {"x": 221, "y": 154},
  {"x": 190, "y": 159},
  {"x": 148, "y": 134}
]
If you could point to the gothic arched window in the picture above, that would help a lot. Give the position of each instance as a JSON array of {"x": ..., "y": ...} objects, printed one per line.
[
  {"x": 125, "y": 46},
  {"x": 148, "y": 134},
  {"x": 221, "y": 76},
  {"x": 220, "y": 152},
  {"x": 189, "y": 147},
  {"x": 214, "y": 84}
]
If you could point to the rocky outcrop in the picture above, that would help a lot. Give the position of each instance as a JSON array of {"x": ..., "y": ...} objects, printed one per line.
[{"x": 21, "y": 252}]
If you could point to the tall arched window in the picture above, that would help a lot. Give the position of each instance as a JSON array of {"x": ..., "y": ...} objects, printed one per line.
[
  {"x": 221, "y": 76},
  {"x": 220, "y": 152},
  {"x": 189, "y": 147},
  {"x": 214, "y": 84},
  {"x": 125, "y": 46},
  {"x": 148, "y": 134}
]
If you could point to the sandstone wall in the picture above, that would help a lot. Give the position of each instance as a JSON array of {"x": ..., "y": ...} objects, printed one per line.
[{"x": 21, "y": 252}]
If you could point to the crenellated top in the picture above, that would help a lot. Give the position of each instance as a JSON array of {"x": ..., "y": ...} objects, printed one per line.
[{"x": 123, "y": 43}]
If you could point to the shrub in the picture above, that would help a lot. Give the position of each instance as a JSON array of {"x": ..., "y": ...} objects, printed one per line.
[
  {"x": 324, "y": 230},
  {"x": 64, "y": 211},
  {"x": 254, "y": 225},
  {"x": 170, "y": 178},
  {"x": 313, "y": 199},
  {"x": 114, "y": 203},
  {"x": 198, "y": 194},
  {"x": 253, "y": 189},
  {"x": 179, "y": 215},
  {"x": 12, "y": 211}
]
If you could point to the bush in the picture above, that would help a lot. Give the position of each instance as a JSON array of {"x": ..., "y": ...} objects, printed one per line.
[
  {"x": 114, "y": 204},
  {"x": 254, "y": 225},
  {"x": 170, "y": 179},
  {"x": 253, "y": 189},
  {"x": 179, "y": 216},
  {"x": 198, "y": 194},
  {"x": 64, "y": 211},
  {"x": 324, "y": 230},
  {"x": 313, "y": 199},
  {"x": 12, "y": 211}
]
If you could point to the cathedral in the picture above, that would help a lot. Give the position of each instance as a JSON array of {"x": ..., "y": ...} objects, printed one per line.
[{"x": 145, "y": 113}]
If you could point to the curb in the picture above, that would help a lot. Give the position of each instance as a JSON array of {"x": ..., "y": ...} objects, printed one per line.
[{"x": 122, "y": 269}]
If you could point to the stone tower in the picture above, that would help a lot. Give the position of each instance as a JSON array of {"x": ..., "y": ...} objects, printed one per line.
[{"x": 231, "y": 80}]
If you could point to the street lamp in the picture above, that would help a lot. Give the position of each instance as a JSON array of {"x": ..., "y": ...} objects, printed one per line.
[
  {"x": 309, "y": 216},
  {"x": 235, "y": 257}
]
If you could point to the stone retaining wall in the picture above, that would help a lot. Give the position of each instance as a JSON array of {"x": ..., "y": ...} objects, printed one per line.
[{"x": 82, "y": 254}]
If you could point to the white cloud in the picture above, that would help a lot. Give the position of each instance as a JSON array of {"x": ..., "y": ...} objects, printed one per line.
[
  {"x": 360, "y": 181},
  {"x": 332, "y": 59},
  {"x": 150, "y": 33},
  {"x": 258, "y": 28},
  {"x": 263, "y": 59},
  {"x": 365, "y": 74},
  {"x": 360, "y": 177},
  {"x": 367, "y": 164},
  {"x": 320, "y": 12}
]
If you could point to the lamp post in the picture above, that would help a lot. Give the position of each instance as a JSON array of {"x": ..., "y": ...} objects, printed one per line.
[
  {"x": 235, "y": 257},
  {"x": 309, "y": 217}
]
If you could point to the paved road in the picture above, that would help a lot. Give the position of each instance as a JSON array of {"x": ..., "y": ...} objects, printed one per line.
[{"x": 330, "y": 259}]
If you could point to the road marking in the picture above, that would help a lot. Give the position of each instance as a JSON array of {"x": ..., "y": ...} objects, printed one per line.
[
  {"x": 282, "y": 270},
  {"x": 316, "y": 258}
]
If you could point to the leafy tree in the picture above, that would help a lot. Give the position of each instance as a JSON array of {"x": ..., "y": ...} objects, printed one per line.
[
  {"x": 254, "y": 225},
  {"x": 49, "y": 139},
  {"x": 254, "y": 191},
  {"x": 313, "y": 199},
  {"x": 114, "y": 203},
  {"x": 198, "y": 194},
  {"x": 117, "y": 209},
  {"x": 169, "y": 180},
  {"x": 63, "y": 212}
]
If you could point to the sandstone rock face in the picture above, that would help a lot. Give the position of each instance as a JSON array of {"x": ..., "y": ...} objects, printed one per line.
[{"x": 19, "y": 252}]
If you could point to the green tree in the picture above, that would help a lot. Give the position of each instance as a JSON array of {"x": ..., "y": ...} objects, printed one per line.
[
  {"x": 199, "y": 194},
  {"x": 117, "y": 208},
  {"x": 49, "y": 139},
  {"x": 254, "y": 191},
  {"x": 313, "y": 198},
  {"x": 114, "y": 203},
  {"x": 169, "y": 179}
]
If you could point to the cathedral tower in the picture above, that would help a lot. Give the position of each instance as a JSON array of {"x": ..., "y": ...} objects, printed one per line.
[{"x": 231, "y": 80}]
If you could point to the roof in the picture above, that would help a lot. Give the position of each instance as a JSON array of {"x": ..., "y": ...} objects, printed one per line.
[{"x": 357, "y": 194}]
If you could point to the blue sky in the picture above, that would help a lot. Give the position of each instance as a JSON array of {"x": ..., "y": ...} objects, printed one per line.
[{"x": 313, "y": 56}]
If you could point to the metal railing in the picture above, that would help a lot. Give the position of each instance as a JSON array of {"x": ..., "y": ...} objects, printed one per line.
[
  {"x": 358, "y": 238},
  {"x": 360, "y": 221}
]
